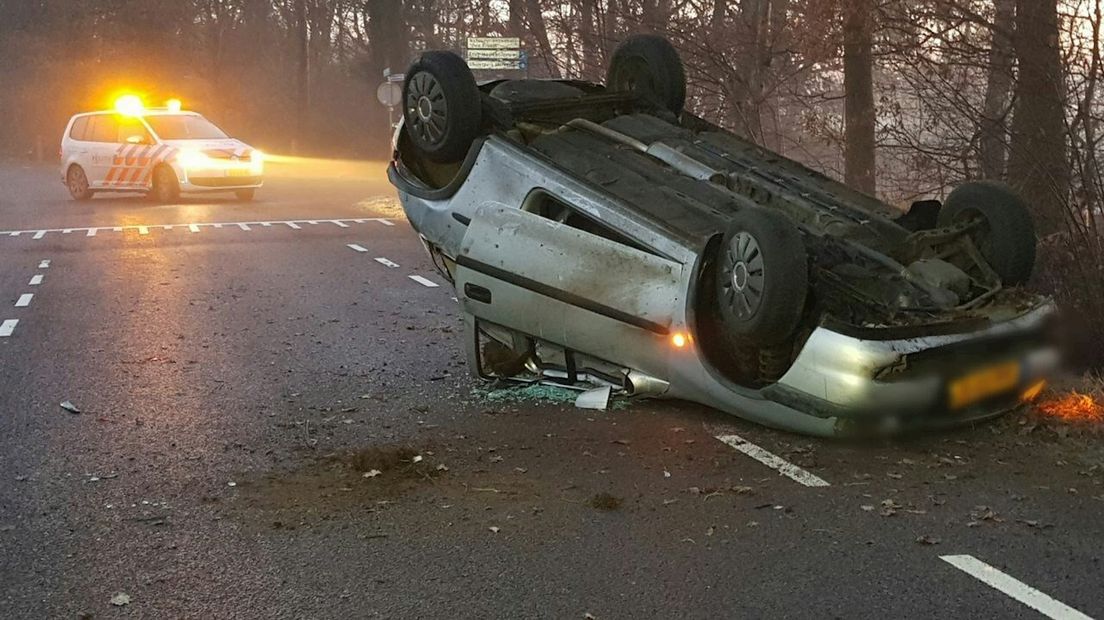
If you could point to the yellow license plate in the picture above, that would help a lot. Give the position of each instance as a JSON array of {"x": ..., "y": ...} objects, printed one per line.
[
  {"x": 239, "y": 172},
  {"x": 982, "y": 384}
]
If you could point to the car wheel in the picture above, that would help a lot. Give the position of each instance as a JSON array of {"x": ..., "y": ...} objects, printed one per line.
[
  {"x": 762, "y": 278},
  {"x": 1005, "y": 234},
  {"x": 77, "y": 182},
  {"x": 649, "y": 66},
  {"x": 442, "y": 107},
  {"x": 245, "y": 195},
  {"x": 165, "y": 187}
]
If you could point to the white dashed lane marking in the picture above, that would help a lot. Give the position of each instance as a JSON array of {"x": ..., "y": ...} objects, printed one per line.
[
  {"x": 44, "y": 264},
  {"x": 386, "y": 263},
  {"x": 1013, "y": 587},
  {"x": 353, "y": 246},
  {"x": 144, "y": 229},
  {"x": 24, "y": 300},
  {"x": 424, "y": 281},
  {"x": 35, "y": 280},
  {"x": 7, "y": 327},
  {"x": 784, "y": 467}
]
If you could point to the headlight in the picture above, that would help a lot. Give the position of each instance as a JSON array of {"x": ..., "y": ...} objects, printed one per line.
[
  {"x": 192, "y": 158},
  {"x": 256, "y": 160}
]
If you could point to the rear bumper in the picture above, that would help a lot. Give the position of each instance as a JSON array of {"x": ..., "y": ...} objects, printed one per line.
[{"x": 891, "y": 385}]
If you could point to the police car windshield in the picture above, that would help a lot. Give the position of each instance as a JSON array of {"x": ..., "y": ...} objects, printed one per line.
[{"x": 183, "y": 127}]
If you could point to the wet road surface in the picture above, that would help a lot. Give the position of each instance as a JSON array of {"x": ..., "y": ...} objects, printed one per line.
[{"x": 256, "y": 382}]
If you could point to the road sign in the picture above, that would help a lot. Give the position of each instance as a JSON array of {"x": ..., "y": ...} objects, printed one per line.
[
  {"x": 496, "y": 54},
  {"x": 389, "y": 94},
  {"x": 493, "y": 64},
  {"x": 493, "y": 43}
]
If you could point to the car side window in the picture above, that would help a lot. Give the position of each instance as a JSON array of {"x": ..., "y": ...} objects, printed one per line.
[
  {"x": 80, "y": 129},
  {"x": 546, "y": 205},
  {"x": 103, "y": 128},
  {"x": 132, "y": 131}
]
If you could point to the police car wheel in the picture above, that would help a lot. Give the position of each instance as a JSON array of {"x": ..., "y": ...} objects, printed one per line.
[
  {"x": 77, "y": 182},
  {"x": 165, "y": 186},
  {"x": 442, "y": 107}
]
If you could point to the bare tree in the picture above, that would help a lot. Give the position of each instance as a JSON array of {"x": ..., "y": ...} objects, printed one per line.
[
  {"x": 992, "y": 127},
  {"x": 1038, "y": 162},
  {"x": 859, "y": 111}
]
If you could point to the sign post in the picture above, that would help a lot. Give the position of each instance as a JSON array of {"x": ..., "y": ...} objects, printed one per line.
[{"x": 389, "y": 93}]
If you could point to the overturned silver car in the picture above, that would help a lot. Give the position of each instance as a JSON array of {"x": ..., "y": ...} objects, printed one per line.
[{"x": 600, "y": 234}]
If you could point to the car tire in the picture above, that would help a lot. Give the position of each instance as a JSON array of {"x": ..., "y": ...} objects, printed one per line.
[
  {"x": 649, "y": 66},
  {"x": 1006, "y": 236},
  {"x": 762, "y": 278},
  {"x": 442, "y": 106},
  {"x": 245, "y": 195},
  {"x": 77, "y": 182},
  {"x": 165, "y": 187}
]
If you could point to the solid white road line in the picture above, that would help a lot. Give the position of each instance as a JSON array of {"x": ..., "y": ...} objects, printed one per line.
[
  {"x": 244, "y": 226},
  {"x": 266, "y": 224},
  {"x": 45, "y": 264},
  {"x": 40, "y": 234},
  {"x": 91, "y": 232},
  {"x": 1013, "y": 587},
  {"x": 24, "y": 300},
  {"x": 35, "y": 280},
  {"x": 118, "y": 229},
  {"x": 784, "y": 467},
  {"x": 7, "y": 327},
  {"x": 217, "y": 225},
  {"x": 142, "y": 230},
  {"x": 353, "y": 246},
  {"x": 193, "y": 228},
  {"x": 66, "y": 231},
  {"x": 423, "y": 281},
  {"x": 386, "y": 263}
]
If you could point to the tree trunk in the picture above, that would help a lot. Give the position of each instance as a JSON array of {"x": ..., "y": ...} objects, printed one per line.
[
  {"x": 858, "y": 86},
  {"x": 993, "y": 129},
  {"x": 540, "y": 33},
  {"x": 302, "y": 94},
  {"x": 589, "y": 64},
  {"x": 1037, "y": 164}
]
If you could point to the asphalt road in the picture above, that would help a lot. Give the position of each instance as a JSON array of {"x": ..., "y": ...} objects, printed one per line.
[{"x": 241, "y": 371}]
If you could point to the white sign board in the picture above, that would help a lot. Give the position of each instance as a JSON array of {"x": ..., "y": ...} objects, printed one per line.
[
  {"x": 493, "y": 43},
  {"x": 493, "y": 54},
  {"x": 494, "y": 64}
]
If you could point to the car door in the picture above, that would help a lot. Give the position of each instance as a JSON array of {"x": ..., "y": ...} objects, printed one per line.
[
  {"x": 569, "y": 286},
  {"x": 102, "y": 147}
]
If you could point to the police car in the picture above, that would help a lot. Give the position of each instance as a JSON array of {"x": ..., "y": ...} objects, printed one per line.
[{"x": 160, "y": 152}]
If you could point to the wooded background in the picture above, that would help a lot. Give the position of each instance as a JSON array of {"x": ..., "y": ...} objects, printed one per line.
[{"x": 905, "y": 98}]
